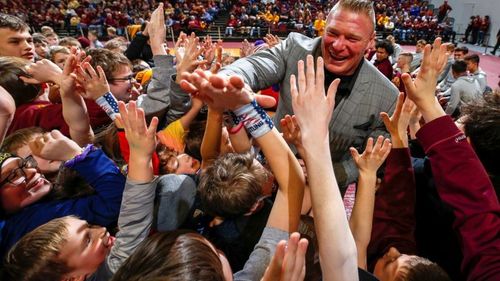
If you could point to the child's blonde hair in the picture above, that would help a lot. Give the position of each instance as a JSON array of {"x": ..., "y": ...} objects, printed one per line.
[{"x": 35, "y": 256}]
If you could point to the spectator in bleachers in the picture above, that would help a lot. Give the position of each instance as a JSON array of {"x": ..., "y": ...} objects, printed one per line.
[
  {"x": 475, "y": 71},
  {"x": 402, "y": 66},
  {"x": 94, "y": 40},
  {"x": 443, "y": 11},
  {"x": 15, "y": 39},
  {"x": 41, "y": 46},
  {"x": 464, "y": 90},
  {"x": 58, "y": 55},
  {"x": 383, "y": 51},
  {"x": 396, "y": 48},
  {"x": 484, "y": 28},
  {"x": 320, "y": 25},
  {"x": 417, "y": 55},
  {"x": 497, "y": 44},
  {"x": 52, "y": 38}
]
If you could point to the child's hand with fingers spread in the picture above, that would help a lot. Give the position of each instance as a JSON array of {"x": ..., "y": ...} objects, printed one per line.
[
  {"x": 312, "y": 108},
  {"x": 55, "y": 146},
  {"x": 397, "y": 124},
  {"x": 42, "y": 71},
  {"x": 94, "y": 83},
  {"x": 291, "y": 133},
  {"x": 140, "y": 137},
  {"x": 373, "y": 156},
  {"x": 289, "y": 260},
  {"x": 422, "y": 90}
]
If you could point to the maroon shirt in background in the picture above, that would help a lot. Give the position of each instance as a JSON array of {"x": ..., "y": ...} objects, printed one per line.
[
  {"x": 464, "y": 185},
  {"x": 385, "y": 67},
  {"x": 49, "y": 116},
  {"x": 394, "y": 213}
]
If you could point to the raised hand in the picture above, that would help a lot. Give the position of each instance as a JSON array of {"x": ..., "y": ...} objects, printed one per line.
[
  {"x": 55, "y": 146},
  {"x": 272, "y": 40},
  {"x": 397, "y": 124},
  {"x": 313, "y": 110},
  {"x": 140, "y": 137},
  {"x": 41, "y": 72},
  {"x": 189, "y": 61},
  {"x": 289, "y": 260},
  {"x": 422, "y": 90},
  {"x": 373, "y": 156},
  {"x": 246, "y": 49},
  {"x": 291, "y": 133},
  {"x": 157, "y": 31},
  {"x": 94, "y": 83},
  {"x": 217, "y": 91}
]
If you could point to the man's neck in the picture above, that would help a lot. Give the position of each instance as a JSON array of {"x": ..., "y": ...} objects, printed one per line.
[{"x": 405, "y": 69}]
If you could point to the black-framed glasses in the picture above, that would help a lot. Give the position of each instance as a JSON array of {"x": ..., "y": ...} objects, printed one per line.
[
  {"x": 18, "y": 175},
  {"x": 130, "y": 79}
]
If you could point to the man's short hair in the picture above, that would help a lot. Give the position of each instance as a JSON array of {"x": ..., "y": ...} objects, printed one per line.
[
  {"x": 408, "y": 55},
  {"x": 450, "y": 47},
  {"x": 422, "y": 42},
  {"x": 108, "y": 60},
  {"x": 358, "y": 6},
  {"x": 472, "y": 57},
  {"x": 12, "y": 22},
  {"x": 462, "y": 49},
  {"x": 459, "y": 66},
  {"x": 385, "y": 44}
]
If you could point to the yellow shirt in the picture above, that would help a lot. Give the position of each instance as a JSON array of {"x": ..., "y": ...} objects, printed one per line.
[
  {"x": 173, "y": 136},
  {"x": 319, "y": 26}
]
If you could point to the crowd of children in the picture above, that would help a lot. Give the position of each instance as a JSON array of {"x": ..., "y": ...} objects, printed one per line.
[{"x": 184, "y": 175}]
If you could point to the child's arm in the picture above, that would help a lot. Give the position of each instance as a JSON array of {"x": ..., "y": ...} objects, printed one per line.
[
  {"x": 313, "y": 111},
  {"x": 186, "y": 119},
  {"x": 74, "y": 109},
  {"x": 136, "y": 213},
  {"x": 362, "y": 213},
  {"x": 285, "y": 213},
  {"x": 7, "y": 110},
  {"x": 210, "y": 146},
  {"x": 101, "y": 208},
  {"x": 461, "y": 180}
]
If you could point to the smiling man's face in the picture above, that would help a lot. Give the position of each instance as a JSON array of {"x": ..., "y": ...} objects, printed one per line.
[{"x": 347, "y": 36}]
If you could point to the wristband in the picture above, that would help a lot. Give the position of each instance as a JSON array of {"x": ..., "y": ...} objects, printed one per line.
[
  {"x": 79, "y": 158},
  {"x": 254, "y": 118},
  {"x": 109, "y": 104}
]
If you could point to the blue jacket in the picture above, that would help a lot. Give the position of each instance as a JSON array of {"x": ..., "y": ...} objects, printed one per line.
[{"x": 102, "y": 208}]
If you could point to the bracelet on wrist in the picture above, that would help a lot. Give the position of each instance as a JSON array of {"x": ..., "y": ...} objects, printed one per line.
[
  {"x": 254, "y": 118},
  {"x": 109, "y": 104}
]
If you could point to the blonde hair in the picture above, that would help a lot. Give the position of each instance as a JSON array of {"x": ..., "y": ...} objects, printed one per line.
[
  {"x": 358, "y": 6},
  {"x": 35, "y": 256}
]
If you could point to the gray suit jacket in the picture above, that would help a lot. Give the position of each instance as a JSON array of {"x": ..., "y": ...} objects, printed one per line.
[{"x": 354, "y": 119}]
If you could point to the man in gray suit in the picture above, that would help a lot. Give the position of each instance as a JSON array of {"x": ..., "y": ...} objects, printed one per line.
[{"x": 363, "y": 91}]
